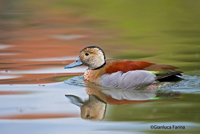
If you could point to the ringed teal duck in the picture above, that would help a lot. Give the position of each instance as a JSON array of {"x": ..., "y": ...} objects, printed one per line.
[{"x": 122, "y": 74}]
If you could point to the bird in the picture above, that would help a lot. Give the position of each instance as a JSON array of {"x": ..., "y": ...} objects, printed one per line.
[{"x": 122, "y": 74}]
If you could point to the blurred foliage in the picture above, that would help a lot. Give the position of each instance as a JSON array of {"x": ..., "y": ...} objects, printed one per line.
[
  {"x": 161, "y": 31},
  {"x": 164, "y": 31}
]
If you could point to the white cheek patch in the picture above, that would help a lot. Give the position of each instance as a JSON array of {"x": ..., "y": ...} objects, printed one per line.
[
  {"x": 97, "y": 60},
  {"x": 128, "y": 81}
]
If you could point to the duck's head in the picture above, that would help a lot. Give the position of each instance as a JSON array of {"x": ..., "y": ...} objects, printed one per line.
[
  {"x": 91, "y": 56},
  {"x": 92, "y": 109}
]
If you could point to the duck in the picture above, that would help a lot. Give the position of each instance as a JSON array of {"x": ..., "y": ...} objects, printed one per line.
[{"x": 120, "y": 73}]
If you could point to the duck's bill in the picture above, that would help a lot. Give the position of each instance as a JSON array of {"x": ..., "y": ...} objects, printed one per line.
[
  {"x": 74, "y": 64},
  {"x": 75, "y": 100}
]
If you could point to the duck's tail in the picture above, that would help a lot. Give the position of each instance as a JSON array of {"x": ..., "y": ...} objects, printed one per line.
[
  {"x": 168, "y": 76},
  {"x": 165, "y": 73}
]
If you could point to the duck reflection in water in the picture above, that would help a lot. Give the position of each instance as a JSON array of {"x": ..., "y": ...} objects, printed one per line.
[{"x": 95, "y": 107}]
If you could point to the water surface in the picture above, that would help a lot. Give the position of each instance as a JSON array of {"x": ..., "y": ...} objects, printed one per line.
[{"x": 38, "y": 38}]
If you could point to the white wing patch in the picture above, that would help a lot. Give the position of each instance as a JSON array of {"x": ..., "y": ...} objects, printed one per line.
[{"x": 128, "y": 81}]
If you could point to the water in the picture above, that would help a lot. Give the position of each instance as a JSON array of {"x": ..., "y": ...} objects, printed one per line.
[
  {"x": 38, "y": 106},
  {"x": 169, "y": 96},
  {"x": 37, "y": 95}
]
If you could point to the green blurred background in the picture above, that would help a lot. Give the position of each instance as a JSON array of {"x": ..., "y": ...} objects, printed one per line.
[{"x": 162, "y": 31}]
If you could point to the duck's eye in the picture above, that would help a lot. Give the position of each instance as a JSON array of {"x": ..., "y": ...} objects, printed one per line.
[
  {"x": 86, "y": 54},
  {"x": 87, "y": 116}
]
